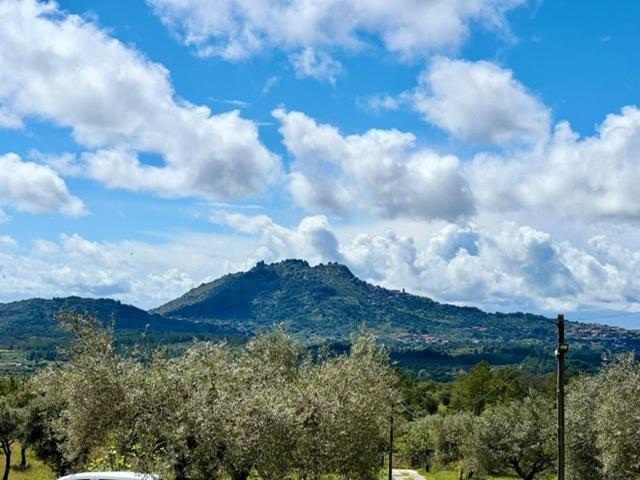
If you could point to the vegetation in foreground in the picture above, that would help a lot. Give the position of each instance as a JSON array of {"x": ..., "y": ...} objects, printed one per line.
[
  {"x": 35, "y": 469},
  {"x": 517, "y": 435},
  {"x": 455, "y": 475},
  {"x": 269, "y": 410},
  {"x": 273, "y": 410}
]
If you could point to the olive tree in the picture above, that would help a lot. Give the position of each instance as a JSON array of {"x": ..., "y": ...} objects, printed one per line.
[
  {"x": 518, "y": 436},
  {"x": 418, "y": 442},
  {"x": 450, "y": 435},
  {"x": 9, "y": 430},
  {"x": 250, "y": 408},
  {"x": 41, "y": 417},
  {"x": 107, "y": 406},
  {"x": 438, "y": 440},
  {"x": 345, "y": 415},
  {"x": 584, "y": 458},
  {"x": 92, "y": 385},
  {"x": 268, "y": 409},
  {"x": 603, "y": 422}
]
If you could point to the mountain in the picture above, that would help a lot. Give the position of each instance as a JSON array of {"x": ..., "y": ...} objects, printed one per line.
[
  {"x": 36, "y": 317},
  {"x": 323, "y": 305},
  {"x": 327, "y": 303}
]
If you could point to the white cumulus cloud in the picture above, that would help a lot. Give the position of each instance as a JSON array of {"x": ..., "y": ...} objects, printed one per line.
[
  {"x": 382, "y": 172},
  {"x": 313, "y": 239},
  {"x": 66, "y": 70},
  {"x": 34, "y": 188},
  {"x": 237, "y": 29},
  {"x": 478, "y": 102},
  {"x": 314, "y": 64},
  {"x": 592, "y": 177}
]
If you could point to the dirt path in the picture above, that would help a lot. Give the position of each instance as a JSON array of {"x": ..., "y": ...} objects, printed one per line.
[{"x": 406, "y": 475}]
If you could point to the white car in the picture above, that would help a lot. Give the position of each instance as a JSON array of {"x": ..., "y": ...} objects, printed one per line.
[{"x": 110, "y": 476}]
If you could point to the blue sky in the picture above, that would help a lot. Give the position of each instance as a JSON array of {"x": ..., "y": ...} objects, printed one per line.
[{"x": 481, "y": 152}]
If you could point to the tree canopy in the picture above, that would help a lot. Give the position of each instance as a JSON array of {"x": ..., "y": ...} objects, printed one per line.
[{"x": 272, "y": 408}]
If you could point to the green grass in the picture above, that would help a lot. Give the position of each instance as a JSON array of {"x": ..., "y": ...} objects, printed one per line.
[
  {"x": 448, "y": 475},
  {"x": 452, "y": 475},
  {"x": 35, "y": 471}
]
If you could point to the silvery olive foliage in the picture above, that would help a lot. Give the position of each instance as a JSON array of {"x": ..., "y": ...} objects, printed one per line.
[
  {"x": 437, "y": 441},
  {"x": 417, "y": 444},
  {"x": 270, "y": 409},
  {"x": 603, "y": 423},
  {"x": 518, "y": 436}
]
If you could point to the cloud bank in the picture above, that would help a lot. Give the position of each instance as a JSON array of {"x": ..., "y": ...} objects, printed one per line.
[{"x": 508, "y": 268}]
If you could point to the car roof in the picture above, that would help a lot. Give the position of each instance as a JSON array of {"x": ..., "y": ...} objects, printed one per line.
[{"x": 110, "y": 476}]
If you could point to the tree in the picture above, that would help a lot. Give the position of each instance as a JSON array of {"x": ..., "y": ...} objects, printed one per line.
[
  {"x": 22, "y": 399},
  {"x": 417, "y": 444},
  {"x": 475, "y": 389},
  {"x": 603, "y": 422},
  {"x": 518, "y": 435},
  {"x": 438, "y": 440},
  {"x": 270, "y": 368},
  {"x": 251, "y": 407},
  {"x": 347, "y": 403},
  {"x": 15, "y": 393},
  {"x": 9, "y": 425},
  {"x": 450, "y": 434},
  {"x": 268, "y": 409},
  {"x": 583, "y": 458},
  {"x": 40, "y": 418}
]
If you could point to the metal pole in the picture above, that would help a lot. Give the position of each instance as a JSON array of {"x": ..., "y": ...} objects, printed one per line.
[
  {"x": 560, "y": 354},
  {"x": 391, "y": 447}
]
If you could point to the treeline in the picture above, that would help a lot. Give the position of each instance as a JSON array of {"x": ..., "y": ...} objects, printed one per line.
[
  {"x": 269, "y": 409},
  {"x": 275, "y": 410},
  {"x": 471, "y": 391},
  {"x": 492, "y": 421}
]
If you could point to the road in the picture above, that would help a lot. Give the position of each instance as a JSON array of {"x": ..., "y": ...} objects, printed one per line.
[{"x": 406, "y": 475}]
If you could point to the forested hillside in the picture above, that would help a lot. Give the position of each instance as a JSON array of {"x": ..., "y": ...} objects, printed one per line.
[{"x": 325, "y": 305}]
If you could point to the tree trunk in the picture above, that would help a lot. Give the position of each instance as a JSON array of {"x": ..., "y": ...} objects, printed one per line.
[
  {"x": 179, "y": 471},
  {"x": 7, "y": 462},
  {"x": 241, "y": 475},
  {"x": 527, "y": 475},
  {"x": 23, "y": 457}
]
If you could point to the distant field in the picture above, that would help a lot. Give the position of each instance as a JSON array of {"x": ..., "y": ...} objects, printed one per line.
[{"x": 13, "y": 362}]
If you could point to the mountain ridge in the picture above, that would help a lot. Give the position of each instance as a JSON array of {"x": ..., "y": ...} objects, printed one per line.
[
  {"x": 35, "y": 317},
  {"x": 326, "y": 304},
  {"x": 330, "y": 301}
]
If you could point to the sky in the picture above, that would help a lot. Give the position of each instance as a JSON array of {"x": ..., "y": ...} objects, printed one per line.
[{"x": 479, "y": 152}]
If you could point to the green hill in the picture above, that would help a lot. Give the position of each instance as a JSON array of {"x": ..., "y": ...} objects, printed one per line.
[
  {"x": 324, "y": 305},
  {"x": 30, "y": 337},
  {"x": 35, "y": 317},
  {"x": 327, "y": 303}
]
